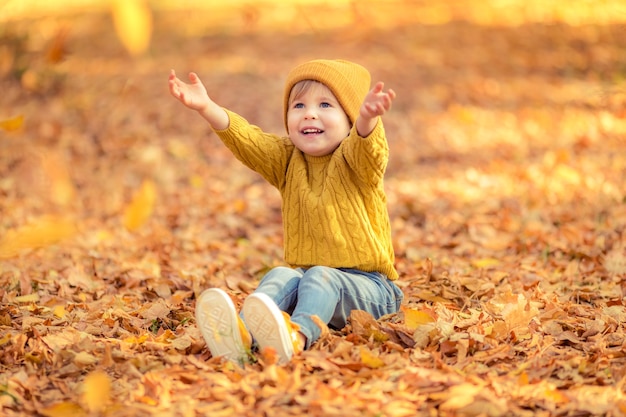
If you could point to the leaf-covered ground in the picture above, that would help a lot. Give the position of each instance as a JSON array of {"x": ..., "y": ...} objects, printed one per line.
[{"x": 506, "y": 185}]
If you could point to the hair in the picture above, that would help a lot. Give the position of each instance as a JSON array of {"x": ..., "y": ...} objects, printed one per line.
[{"x": 300, "y": 88}]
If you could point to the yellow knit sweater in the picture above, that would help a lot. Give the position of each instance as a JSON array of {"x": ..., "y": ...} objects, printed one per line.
[{"x": 334, "y": 206}]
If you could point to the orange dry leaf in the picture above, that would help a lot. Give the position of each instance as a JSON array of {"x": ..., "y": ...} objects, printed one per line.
[
  {"x": 44, "y": 232},
  {"x": 366, "y": 326},
  {"x": 460, "y": 396},
  {"x": 133, "y": 24},
  {"x": 96, "y": 391},
  {"x": 13, "y": 123},
  {"x": 516, "y": 311},
  {"x": 57, "y": 49},
  {"x": 556, "y": 396},
  {"x": 140, "y": 208},
  {"x": 269, "y": 356},
  {"x": 523, "y": 378},
  {"x": 430, "y": 296}
]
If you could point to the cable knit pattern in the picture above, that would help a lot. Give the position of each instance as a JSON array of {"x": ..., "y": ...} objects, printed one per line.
[{"x": 334, "y": 206}]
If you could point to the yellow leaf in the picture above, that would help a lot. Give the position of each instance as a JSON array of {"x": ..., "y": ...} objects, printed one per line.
[
  {"x": 5, "y": 339},
  {"x": 568, "y": 175},
  {"x": 96, "y": 391},
  {"x": 485, "y": 262},
  {"x": 140, "y": 208},
  {"x": 415, "y": 318},
  {"x": 196, "y": 181},
  {"x": 165, "y": 337},
  {"x": 13, "y": 123},
  {"x": 63, "y": 409},
  {"x": 34, "y": 357},
  {"x": 370, "y": 360},
  {"x": 59, "y": 311},
  {"x": 29, "y": 298},
  {"x": 133, "y": 24},
  {"x": 44, "y": 232},
  {"x": 136, "y": 340}
]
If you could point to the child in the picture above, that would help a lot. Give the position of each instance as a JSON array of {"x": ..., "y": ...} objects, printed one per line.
[{"x": 329, "y": 170}]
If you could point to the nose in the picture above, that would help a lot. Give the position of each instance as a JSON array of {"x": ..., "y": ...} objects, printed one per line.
[{"x": 310, "y": 113}]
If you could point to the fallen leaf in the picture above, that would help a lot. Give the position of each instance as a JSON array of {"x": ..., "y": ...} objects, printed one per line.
[
  {"x": 30, "y": 298},
  {"x": 140, "y": 208},
  {"x": 96, "y": 391},
  {"x": 63, "y": 409},
  {"x": 156, "y": 310},
  {"x": 364, "y": 325},
  {"x": 12, "y": 124},
  {"x": 461, "y": 396},
  {"x": 415, "y": 318},
  {"x": 43, "y": 232},
  {"x": 83, "y": 359},
  {"x": 485, "y": 262},
  {"x": 369, "y": 359},
  {"x": 59, "y": 311}
]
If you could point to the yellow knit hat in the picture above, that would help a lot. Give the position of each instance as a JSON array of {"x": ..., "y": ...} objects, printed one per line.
[{"x": 348, "y": 81}]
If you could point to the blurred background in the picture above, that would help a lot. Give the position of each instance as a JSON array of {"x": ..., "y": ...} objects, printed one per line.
[{"x": 503, "y": 106}]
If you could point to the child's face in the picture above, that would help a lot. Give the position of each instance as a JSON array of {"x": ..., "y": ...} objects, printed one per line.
[{"x": 316, "y": 121}]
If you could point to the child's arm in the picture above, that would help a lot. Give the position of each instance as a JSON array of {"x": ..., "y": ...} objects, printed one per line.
[
  {"x": 195, "y": 96},
  {"x": 376, "y": 103}
]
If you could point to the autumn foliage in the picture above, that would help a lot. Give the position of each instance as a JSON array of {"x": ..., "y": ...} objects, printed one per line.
[{"x": 506, "y": 186}]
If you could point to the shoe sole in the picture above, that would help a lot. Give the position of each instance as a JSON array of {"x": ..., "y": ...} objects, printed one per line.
[
  {"x": 217, "y": 320},
  {"x": 267, "y": 325}
]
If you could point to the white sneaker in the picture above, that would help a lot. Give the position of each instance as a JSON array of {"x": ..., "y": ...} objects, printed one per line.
[
  {"x": 270, "y": 327},
  {"x": 222, "y": 328}
]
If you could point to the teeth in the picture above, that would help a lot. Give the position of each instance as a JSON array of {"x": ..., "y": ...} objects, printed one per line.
[{"x": 311, "y": 131}]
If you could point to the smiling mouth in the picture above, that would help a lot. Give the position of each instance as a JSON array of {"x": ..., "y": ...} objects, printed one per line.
[{"x": 311, "y": 131}]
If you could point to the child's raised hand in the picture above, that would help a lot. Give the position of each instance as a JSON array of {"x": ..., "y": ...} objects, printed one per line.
[
  {"x": 193, "y": 95},
  {"x": 377, "y": 102}
]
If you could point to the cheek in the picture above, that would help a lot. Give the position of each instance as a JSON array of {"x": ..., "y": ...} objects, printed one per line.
[
  {"x": 343, "y": 123},
  {"x": 292, "y": 121}
]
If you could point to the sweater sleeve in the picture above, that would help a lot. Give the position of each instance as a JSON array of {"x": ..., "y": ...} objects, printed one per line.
[
  {"x": 265, "y": 153},
  {"x": 367, "y": 157}
]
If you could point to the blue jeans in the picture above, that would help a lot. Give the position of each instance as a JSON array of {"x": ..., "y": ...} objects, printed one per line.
[{"x": 329, "y": 293}]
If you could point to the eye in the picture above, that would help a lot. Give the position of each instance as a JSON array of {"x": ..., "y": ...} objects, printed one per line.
[
  {"x": 298, "y": 106},
  {"x": 325, "y": 105}
]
